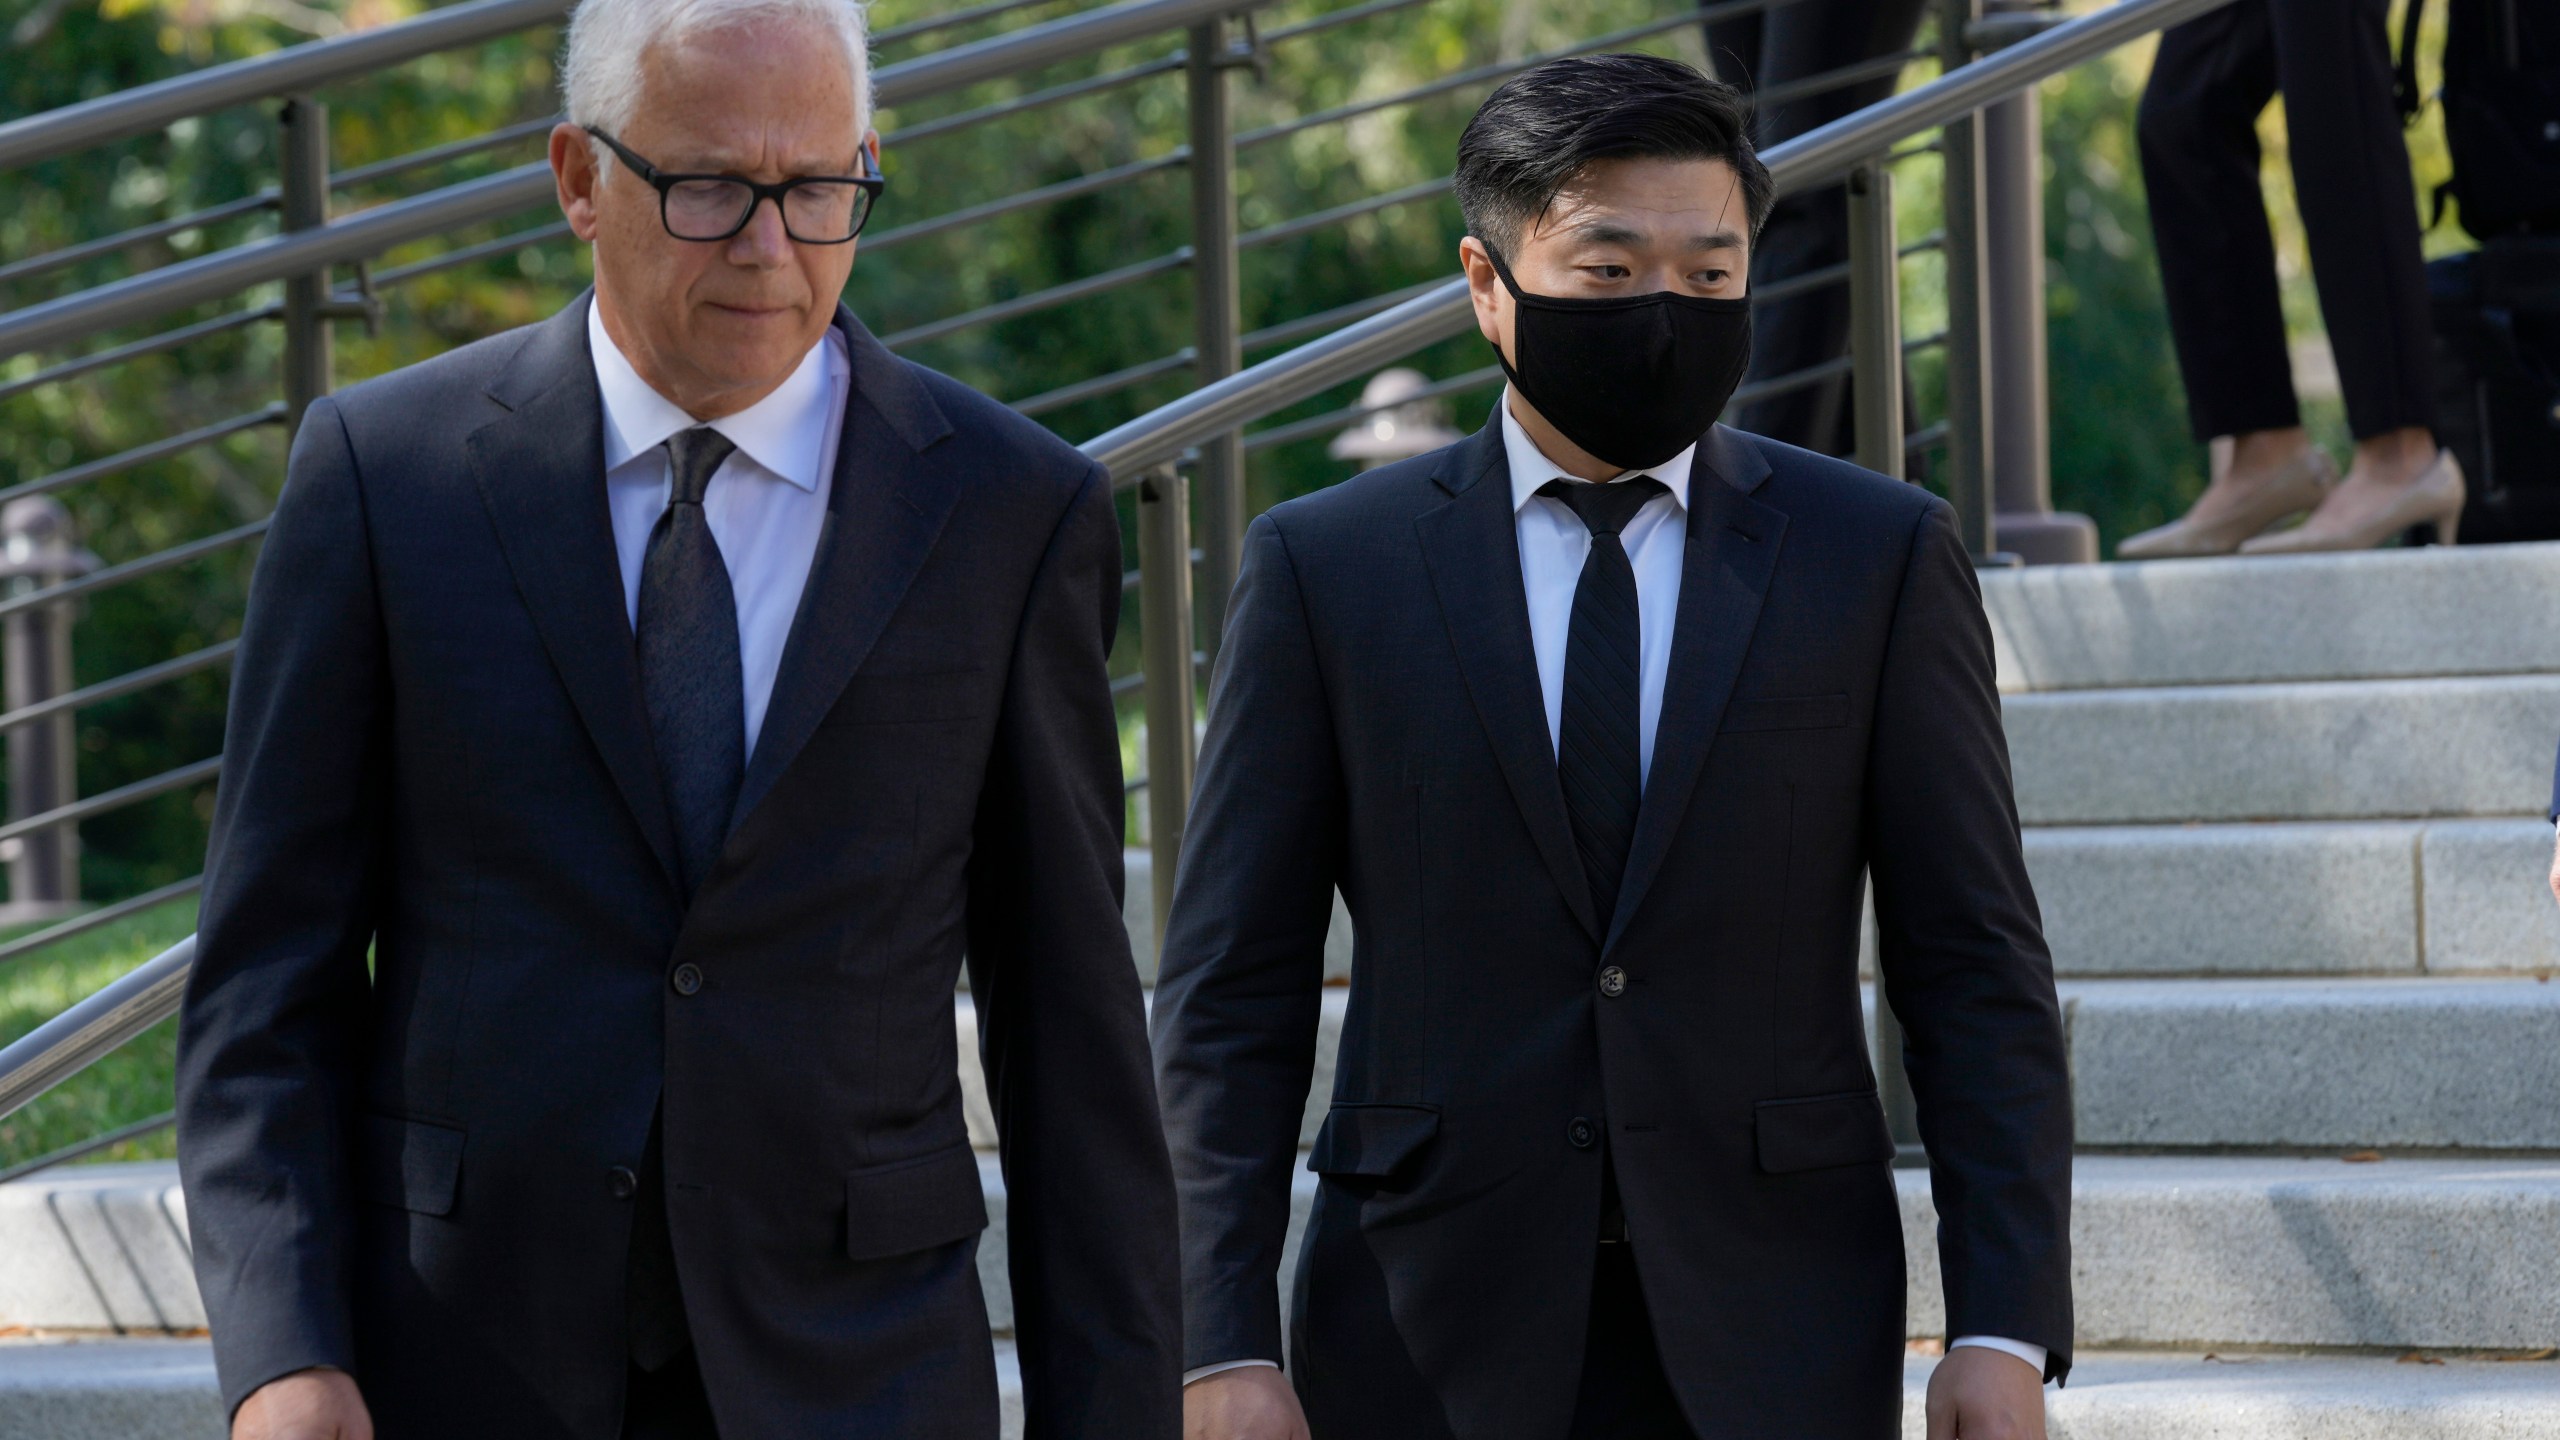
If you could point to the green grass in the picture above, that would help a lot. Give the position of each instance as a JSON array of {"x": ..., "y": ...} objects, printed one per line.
[{"x": 131, "y": 1084}]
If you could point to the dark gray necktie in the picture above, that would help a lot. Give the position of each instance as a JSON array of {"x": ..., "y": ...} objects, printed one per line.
[
  {"x": 1599, "y": 754},
  {"x": 690, "y": 674}
]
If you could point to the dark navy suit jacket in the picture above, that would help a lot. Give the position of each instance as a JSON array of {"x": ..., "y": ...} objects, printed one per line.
[
  {"x": 403, "y": 1164},
  {"x": 1377, "y": 725}
]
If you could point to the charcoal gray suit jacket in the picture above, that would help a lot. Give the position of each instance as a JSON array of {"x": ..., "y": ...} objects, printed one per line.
[
  {"x": 418, "y": 1171},
  {"x": 1377, "y": 725}
]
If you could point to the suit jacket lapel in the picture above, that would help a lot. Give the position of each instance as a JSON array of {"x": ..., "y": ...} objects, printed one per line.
[
  {"x": 541, "y": 475},
  {"x": 1472, "y": 546},
  {"x": 1724, "y": 572},
  {"x": 884, "y": 512}
]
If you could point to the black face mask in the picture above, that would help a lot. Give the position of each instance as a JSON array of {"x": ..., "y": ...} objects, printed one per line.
[{"x": 1634, "y": 381}]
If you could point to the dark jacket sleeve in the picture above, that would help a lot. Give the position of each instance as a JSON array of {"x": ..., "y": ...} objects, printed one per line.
[
  {"x": 271, "y": 1039},
  {"x": 1089, "y": 1196},
  {"x": 1241, "y": 988},
  {"x": 1964, "y": 960}
]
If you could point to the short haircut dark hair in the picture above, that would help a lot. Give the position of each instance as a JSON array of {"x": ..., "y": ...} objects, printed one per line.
[{"x": 1539, "y": 130}]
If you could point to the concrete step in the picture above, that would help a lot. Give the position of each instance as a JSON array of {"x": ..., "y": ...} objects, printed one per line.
[
  {"x": 2137, "y": 1395},
  {"x": 2417, "y": 1063},
  {"x": 2370, "y": 897},
  {"x": 2336, "y": 750},
  {"x": 2402, "y": 613},
  {"x": 2335, "y": 1064},
  {"x": 2168, "y": 1251}
]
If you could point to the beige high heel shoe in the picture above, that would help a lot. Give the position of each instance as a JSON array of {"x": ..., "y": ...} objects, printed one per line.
[
  {"x": 2298, "y": 487},
  {"x": 2433, "y": 499}
]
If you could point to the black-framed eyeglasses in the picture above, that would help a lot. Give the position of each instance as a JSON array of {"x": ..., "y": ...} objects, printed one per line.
[{"x": 815, "y": 209}]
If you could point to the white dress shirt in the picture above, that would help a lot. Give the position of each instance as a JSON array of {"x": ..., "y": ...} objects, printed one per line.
[
  {"x": 766, "y": 503},
  {"x": 1553, "y": 545}
]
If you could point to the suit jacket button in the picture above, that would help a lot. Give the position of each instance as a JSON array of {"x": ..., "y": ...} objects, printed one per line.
[
  {"x": 687, "y": 979},
  {"x": 624, "y": 1183},
  {"x": 1582, "y": 1133},
  {"x": 1613, "y": 982}
]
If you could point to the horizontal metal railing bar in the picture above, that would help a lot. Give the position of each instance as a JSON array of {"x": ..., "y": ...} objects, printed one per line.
[
  {"x": 1777, "y": 290},
  {"x": 455, "y": 259},
  {"x": 1703, "y": 15},
  {"x": 145, "y": 108},
  {"x": 152, "y": 345},
  {"x": 122, "y": 685},
  {"x": 1037, "y": 99},
  {"x": 66, "y": 1044},
  {"x": 124, "y": 460},
  {"x": 1067, "y": 189},
  {"x": 1934, "y": 433},
  {"x": 1879, "y": 68},
  {"x": 78, "y": 925},
  {"x": 527, "y": 187},
  {"x": 1315, "y": 425},
  {"x": 116, "y": 799},
  {"x": 69, "y": 255},
  {"x": 953, "y": 20},
  {"x": 90, "y": 1146},
  {"x": 1349, "y": 15},
  {"x": 1304, "y": 224},
  {"x": 1838, "y": 365},
  {"x": 1183, "y": 358},
  {"x": 1039, "y": 300},
  {"x": 356, "y": 175},
  {"x": 1065, "y": 38},
  {"x": 115, "y": 575},
  {"x": 1136, "y": 680},
  {"x": 1118, "y": 380},
  {"x": 1128, "y": 450},
  {"x": 225, "y": 272}
]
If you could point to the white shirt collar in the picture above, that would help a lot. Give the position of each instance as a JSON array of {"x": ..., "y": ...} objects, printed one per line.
[
  {"x": 1530, "y": 467},
  {"x": 784, "y": 433}
]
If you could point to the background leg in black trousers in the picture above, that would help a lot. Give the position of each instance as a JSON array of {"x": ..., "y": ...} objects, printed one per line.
[
  {"x": 668, "y": 1403},
  {"x": 1764, "y": 53}
]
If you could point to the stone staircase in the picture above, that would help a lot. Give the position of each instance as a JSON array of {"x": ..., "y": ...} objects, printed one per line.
[{"x": 2284, "y": 821}]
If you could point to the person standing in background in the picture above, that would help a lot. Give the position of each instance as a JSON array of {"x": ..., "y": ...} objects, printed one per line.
[
  {"x": 1771, "y": 53},
  {"x": 2331, "y": 61}
]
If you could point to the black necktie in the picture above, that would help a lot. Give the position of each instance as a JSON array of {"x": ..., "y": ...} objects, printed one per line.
[
  {"x": 1599, "y": 756},
  {"x": 690, "y": 675}
]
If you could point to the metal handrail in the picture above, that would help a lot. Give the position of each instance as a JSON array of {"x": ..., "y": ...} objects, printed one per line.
[
  {"x": 126, "y": 1007},
  {"x": 1129, "y": 451}
]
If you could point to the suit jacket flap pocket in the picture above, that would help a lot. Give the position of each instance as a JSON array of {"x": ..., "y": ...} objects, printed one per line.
[
  {"x": 1788, "y": 712},
  {"x": 911, "y": 1205},
  {"x": 1821, "y": 1131},
  {"x": 409, "y": 1163},
  {"x": 1371, "y": 1139}
]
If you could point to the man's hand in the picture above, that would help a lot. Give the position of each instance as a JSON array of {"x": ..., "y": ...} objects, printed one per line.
[
  {"x": 1254, "y": 1402},
  {"x": 1983, "y": 1394},
  {"x": 319, "y": 1404},
  {"x": 2555, "y": 874}
]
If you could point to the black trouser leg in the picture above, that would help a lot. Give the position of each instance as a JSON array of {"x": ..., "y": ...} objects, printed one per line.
[
  {"x": 1624, "y": 1394},
  {"x": 2198, "y": 131},
  {"x": 2359, "y": 206},
  {"x": 1811, "y": 231}
]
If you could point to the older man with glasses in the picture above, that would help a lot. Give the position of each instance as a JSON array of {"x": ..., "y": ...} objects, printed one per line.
[{"x": 639, "y": 717}]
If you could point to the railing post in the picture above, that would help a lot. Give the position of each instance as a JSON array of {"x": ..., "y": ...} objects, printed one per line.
[
  {"x": 1969, "y": 437},
  {"x": 36, "y": 552},
  {"x": 304, "y": 193},
  {"x": 1164, "y": 630},
  {"x": 2014, "y": 320},
  {"x": 1217, "y": 315},
  {"x": 1875, "y": 320}
]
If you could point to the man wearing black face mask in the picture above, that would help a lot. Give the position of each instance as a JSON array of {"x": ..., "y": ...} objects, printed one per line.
[{"x": 1596, "y": 719}]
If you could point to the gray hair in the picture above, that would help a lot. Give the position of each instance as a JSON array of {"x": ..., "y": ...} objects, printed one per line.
[{"x": 600, "y": 75}]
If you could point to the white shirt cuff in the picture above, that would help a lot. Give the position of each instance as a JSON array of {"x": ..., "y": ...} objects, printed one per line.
[
  {"x": 2032, "y": 1354},
  {"x": 1206, "y": 1371}
]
